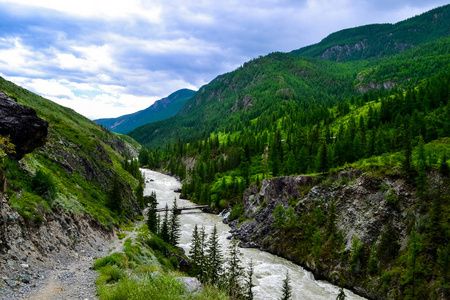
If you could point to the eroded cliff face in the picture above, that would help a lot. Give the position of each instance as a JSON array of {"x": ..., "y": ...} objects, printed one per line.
[{"x": 362, "y": 207}]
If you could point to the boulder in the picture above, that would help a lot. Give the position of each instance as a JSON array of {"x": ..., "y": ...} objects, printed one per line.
[{"x": 26, "y": 130}]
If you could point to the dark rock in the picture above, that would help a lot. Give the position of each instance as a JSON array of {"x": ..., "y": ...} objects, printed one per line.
[{"x": 26, "y": 130}]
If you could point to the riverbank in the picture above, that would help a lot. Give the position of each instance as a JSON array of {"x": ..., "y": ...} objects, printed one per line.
[{"x": 270, "y": 269}]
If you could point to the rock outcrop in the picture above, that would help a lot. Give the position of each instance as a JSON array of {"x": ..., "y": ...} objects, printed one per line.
[
  {"x": 363, "y": 206},
  {"x": 26, "y": 130}
]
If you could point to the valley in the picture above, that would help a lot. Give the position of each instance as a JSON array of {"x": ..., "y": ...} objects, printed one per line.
[{"x": 330, "y": 163}]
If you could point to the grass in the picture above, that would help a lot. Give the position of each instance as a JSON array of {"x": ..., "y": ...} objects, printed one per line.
[
  {"x": 138, "y": 273},
  {"x": 76, "y": 150}
]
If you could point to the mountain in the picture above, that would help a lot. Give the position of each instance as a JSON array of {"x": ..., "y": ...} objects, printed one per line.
[
  {"x": 340, "y": 165},
  {"x": 380, "y": 40},
  {"x": 62, "y": 177},
  {"x": 160, "y": 110}
]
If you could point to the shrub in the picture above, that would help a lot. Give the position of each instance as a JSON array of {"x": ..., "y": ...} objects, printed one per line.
[
  {"x": 237, "y": 212},
  {"x": 43, "y": 185}
]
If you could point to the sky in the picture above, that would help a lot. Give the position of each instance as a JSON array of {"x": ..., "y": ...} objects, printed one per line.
[{"x": 107, "y": 58}]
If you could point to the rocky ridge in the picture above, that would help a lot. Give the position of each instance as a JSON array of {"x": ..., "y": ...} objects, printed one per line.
[{"x": 362, "y": 210}]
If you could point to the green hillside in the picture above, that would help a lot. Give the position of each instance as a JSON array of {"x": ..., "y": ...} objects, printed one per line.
[
  {"x": 160, "y": 110},
  {"x": 76, "y": 169},
  {"x": 285, "y": 115},
  {"x": 380, "y": 40}
]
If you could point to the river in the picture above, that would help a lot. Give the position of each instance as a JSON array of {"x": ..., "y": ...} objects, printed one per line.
[{"x": 269, "y": 269}]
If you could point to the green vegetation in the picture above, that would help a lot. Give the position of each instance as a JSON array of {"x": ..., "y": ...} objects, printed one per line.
[
  {"x": 283, "y": 115},
  {"x": 143, "y": 272},
  {"x": 75, "y": 171},
  {"x": 379, "y": 40}
]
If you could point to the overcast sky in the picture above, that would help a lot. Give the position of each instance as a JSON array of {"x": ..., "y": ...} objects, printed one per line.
[{"x": 106, "y": 58}]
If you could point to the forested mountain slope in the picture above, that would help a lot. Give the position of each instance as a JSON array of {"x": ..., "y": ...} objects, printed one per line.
[
  {"x": 160, "y": 110},
  {"x": 370, "y": 141},
  {"x": 379, "y": 40}
]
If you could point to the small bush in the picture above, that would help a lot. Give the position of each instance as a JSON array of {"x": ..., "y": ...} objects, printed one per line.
[
  {"x": 43, "y": 185},
  {"x": 237, "y": 212},
  {"x": 117, "y": 259},
  {"x": 121, "y": 235},
  {"x": 111, "y": 274},
  {"x": 391, "y": 197}
]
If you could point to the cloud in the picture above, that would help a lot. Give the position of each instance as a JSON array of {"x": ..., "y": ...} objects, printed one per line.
[{"x": 90, "y": 55}]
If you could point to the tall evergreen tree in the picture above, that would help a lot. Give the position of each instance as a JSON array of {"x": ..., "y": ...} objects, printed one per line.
[
  {"x": 249, "y": 283},
  {"x": 341, "y": 295},
  {"x": 152, "y": 219},
  {"x": 421, "y": 169},
  {"x": 413, "y": 266},
  {"x": 164, "y": 234},
  {"x": 174, "y": 230},
  {"x": 322, "y": 162},
  {"x": 407, "y": 150},
  {"x": 195, "y": 254},
  {"x": 234, "y": 271},
  {"x": 286, "y": 289},
  {"x": 115, "y": 196},
  {"x": 443, "y": 166},
  {"x": 214, "y": 257}
]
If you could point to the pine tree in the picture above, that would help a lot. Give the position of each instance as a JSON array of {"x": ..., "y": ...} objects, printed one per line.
[
  {"x": 421, "y": 168},
  {"x": 174, "y": 230},
  {"x": 407, "y": 151},
  {"x": 388, "y": 246},
  {"x": 214, "y": 257},
  {"x": 164, "y": 234},
  {"x": 443, "y": 166},
  {"x": 341, "y": 295},
  {"x": 249, "y": 283},
  {"x": 234, "y": 271},
  {"x": 322, "y": 163},
  {"x": 115, "y": 197},
  {"x": 152, "y": 219},
  {"x": 413, "y": 266},
  {"x": 203, "y": 260},
  {"x": 195, "y": 254},
  {"x": 287, "y": 288}
]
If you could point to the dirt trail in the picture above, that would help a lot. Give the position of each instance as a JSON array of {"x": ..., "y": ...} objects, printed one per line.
[{"x": 72, "y": 277}]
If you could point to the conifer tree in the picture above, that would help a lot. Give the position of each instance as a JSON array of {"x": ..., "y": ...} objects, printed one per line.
[
  {"x": 413, "y": 266},
  {"x": 286, "y": 288},
  {"x": 115, "y": 197},
  {"x": 443, "y": 166},
  {"x": 421, "y": 168},
  {"x": 234, "y": 271},
  {"x": 322, "y": 163},
  {"x": 164, "y": 234},
  {"x": 341, "y": 295},
  {"x": 214, "y": 257},
  {"x": 152, "y": 219},
  {"x": 407, "y": 150},
  {"x": 195, "y": 254},
  {"x": 249, "y": 283},
  {"x": 174, "y": 230}
]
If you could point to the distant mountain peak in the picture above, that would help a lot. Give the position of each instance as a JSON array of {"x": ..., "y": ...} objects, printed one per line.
[{"x": 160, "y": 110}]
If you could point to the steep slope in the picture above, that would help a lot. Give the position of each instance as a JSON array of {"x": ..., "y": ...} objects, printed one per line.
[
  {"x": 270, "y": 87},
  {"x": 160, "y": 110},
  {"x": 65, "y": 197},
  {"x": 380, "y": 40}
]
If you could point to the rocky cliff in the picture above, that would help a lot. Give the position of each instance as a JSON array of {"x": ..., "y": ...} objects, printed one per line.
[
  {"x": 339, "y": 225},
  {"x": 26, "y": 130},
  {"x": 55, "y": 201}
]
